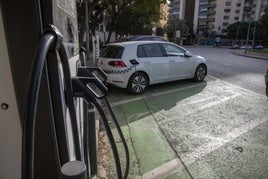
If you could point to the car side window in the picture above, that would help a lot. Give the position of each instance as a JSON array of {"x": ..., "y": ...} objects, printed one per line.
[
  {"x": 173, "y": 50},
  {"x": 140, "y": 52},
  {"x": 151, "y": 50}
]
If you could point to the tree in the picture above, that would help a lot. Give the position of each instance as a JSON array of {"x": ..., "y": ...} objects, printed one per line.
[
  {"x": 264, "y": 19},
  {"x": 132, "y": 16},
  {"x": 174, "y": 24},
  {"x": 94, "y": 18},
  {"x": 238, "y": 31},
  {"x": 123, "y": 17},
  {"x": 159, "y": 31}
]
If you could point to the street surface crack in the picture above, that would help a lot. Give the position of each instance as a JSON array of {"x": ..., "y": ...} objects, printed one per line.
[{"x": 132, "y": 144}]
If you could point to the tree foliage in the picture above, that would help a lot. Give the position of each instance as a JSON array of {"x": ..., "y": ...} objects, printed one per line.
[
  {"x": 264, "y": 19},
  {"x": 174, "y": 24},
  {"x": 135, "y": 17},
  {"x": 124, "y": 17},
  {"x": 239, "y": 30}
]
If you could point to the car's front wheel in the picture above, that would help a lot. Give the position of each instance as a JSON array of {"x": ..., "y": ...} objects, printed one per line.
[
  {"x": 138, "y": 83},
  {"x": 200, "y": 73}
]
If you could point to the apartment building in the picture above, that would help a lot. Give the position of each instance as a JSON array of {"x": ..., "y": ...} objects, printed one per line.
[{"x": 212, "y": 17}]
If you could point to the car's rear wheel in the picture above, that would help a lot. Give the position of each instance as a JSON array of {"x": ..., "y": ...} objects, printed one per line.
[
  {"x": 138, "y": 83},
  {"x": 200, "y": 73}
]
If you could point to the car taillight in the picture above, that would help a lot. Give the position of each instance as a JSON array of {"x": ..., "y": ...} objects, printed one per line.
[{"x": 117, "y": 64}]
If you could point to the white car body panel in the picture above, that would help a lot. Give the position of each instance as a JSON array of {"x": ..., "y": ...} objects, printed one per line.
[{"x": 158, "y": 69}]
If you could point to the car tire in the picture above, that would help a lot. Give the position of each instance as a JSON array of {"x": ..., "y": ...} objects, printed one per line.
[
  {"x": 138, "y": 83},
  {"x": 200, "y": 73}
]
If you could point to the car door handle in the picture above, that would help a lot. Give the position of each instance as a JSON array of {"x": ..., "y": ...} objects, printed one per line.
[
  {"x": 173, "y": 61},
  {"x": 147, "y": 62}
]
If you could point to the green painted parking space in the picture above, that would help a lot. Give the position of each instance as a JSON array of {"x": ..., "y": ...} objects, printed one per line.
[
  {"x": 202, "y": 124},
  {"x": 148, "y": 147}
]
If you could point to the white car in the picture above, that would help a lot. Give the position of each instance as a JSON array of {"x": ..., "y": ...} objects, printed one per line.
[{"x": 137, "y": 64}]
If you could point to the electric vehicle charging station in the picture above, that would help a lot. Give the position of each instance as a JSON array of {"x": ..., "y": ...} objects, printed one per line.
[{"x": 46, "y": 131}]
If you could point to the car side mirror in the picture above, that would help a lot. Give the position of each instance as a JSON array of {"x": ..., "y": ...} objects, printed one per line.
[{"x": 187, "y": 54}]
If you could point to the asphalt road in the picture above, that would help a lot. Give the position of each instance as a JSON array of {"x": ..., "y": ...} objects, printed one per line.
[{"x": 242, "y": 71}]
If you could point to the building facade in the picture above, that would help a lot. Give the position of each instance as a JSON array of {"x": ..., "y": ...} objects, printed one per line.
[{"x": 212, "y": 17}]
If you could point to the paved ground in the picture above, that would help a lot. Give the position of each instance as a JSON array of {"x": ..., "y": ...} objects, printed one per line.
[
  {"x": 242, "y": 71},
  {"x": 195, "y": 130},
  {"x": 213, "y": 129}
]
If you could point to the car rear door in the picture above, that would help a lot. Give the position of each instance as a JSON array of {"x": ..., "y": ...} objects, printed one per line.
[
  {"x": 152, "y": 56},
  {"x": 180, "y": 66}
]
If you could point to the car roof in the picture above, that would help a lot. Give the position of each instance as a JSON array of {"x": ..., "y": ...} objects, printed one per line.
[
  {"x": 141, "y": 38},
  {"x": 135, "y": 43},
  {"x": 138, "y": 42}
]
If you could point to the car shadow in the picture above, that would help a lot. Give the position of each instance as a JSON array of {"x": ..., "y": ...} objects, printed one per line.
[{"x": 130, "y": 108}]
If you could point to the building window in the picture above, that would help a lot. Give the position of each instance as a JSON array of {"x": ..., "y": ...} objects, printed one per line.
[
  {"x": 238, "y": 4},
  {"x": 226, "y": 17},
  {"x": 236, "y": 18},
  {"x": 228, "y": 3},
  {"x": 225, "y": 24},
  {"x": 237, "y": 11},
  {"x": 227, "y": 10}
]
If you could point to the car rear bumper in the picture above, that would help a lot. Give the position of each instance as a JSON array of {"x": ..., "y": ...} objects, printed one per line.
[{"x": 118, "y": 80}]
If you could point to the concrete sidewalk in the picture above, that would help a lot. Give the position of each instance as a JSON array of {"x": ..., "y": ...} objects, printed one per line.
[{"x": 250, "y": 54}]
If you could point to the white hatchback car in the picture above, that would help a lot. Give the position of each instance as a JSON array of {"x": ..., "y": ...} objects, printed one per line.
[{"x": 137, "y": 64}]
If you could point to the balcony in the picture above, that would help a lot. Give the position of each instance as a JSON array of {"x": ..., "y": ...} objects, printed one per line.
[
  {"x": 211, "y": 5},
  {"x": 207, "y": 12},
  {"x": 209, "y": 19},
  {"x": 203, "y": 26}
]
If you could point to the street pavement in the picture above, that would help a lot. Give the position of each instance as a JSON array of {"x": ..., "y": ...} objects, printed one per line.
[{"x": 183, "y": 129}]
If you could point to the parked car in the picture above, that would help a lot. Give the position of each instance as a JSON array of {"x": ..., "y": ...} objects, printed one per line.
[
  {"x": 246, "y": 47},
  {"x": 136, "y": 65},
  {"x": 235, "y": 47},
  {"x": 143, "y": 38},
  {"x": 266, "y": 81},
  {"x": 258, "y": 47}
]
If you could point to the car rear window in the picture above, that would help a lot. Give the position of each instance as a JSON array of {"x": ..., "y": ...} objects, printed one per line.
[{"x": 112, "y": 51}]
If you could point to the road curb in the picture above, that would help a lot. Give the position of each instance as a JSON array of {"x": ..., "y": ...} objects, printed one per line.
[{"x": 250, "y": 54}]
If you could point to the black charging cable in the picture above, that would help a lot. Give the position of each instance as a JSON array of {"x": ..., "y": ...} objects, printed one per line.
[
  {"x": 89, "y": 72},
  {"x": 90, "y": 97},
  {"x": 51, "y": 40},
  {"x": 121, "y": 136},
  {"x": 29, "y": 116}
]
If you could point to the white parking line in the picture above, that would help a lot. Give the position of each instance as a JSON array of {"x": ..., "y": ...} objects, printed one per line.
[
  {"x": 219, "y": 101},
  {"x": 230, "y": 84},
  {"x": 189, "y": 158}
]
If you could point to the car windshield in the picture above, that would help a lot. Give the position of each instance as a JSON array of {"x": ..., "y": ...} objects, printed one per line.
[{"x": 112, "y": 51}]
